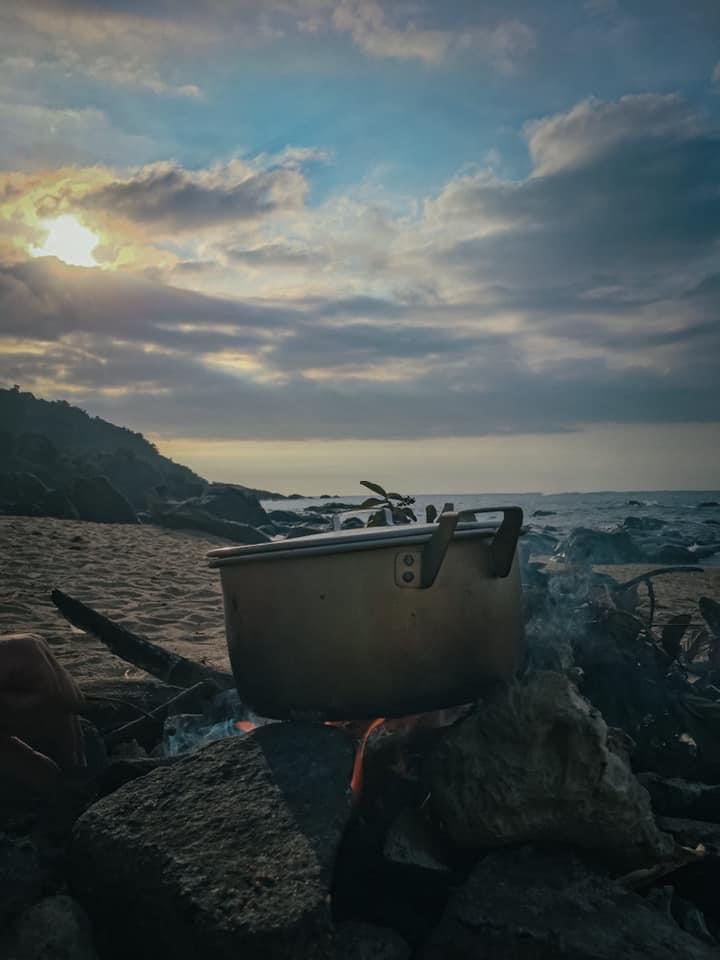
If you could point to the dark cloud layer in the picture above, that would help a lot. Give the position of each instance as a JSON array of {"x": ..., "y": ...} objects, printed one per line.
[{"x": 166, "y": 197}]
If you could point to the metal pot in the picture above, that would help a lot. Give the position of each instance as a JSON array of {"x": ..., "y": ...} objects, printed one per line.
[{"x": 386, "y": 621}]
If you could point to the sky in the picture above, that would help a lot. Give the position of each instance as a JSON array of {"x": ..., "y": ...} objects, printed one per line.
[{"x": 466, "y": 246}]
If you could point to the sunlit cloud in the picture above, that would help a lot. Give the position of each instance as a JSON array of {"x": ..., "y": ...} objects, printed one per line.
[{"x": 68, "y": 240}]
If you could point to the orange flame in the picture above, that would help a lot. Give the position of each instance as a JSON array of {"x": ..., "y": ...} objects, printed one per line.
[
  {"x": 356, "y": 781},
  {"x": 245, "y": 725}
]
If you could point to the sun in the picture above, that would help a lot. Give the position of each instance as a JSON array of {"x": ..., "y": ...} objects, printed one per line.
[{"x": 69, "y": 241}]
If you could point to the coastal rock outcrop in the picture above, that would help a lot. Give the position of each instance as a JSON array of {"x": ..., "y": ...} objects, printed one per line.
[
  {"x": 229, "y": 852},
  {"x": 96, "y": 499},
  {"x": 232, "y": 503}
]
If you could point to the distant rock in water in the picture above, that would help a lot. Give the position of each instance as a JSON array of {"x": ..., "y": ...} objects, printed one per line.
[
  {"x": 285, "y": 516},
  {"x": 643, "y": 523},
  {"x": 352, "y": 523},
  {"x": 598, "y": 546},
  {"x": 544, "y": 513},
  {"x": 97, "y": 499}
]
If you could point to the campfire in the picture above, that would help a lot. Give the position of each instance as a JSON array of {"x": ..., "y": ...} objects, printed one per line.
[{"x": 588, "y": 785}]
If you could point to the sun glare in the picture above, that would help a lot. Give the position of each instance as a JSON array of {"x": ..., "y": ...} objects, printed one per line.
[{"x": 69, "y": 241}]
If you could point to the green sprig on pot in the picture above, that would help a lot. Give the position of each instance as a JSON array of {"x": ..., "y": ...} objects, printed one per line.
[{"x": 398, "y": 504}]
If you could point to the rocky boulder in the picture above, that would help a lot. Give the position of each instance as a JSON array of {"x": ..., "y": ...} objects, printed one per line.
[
  {"x": 188, "y": 516},
  {"x": 285, "y": 516},
  {"x": 232, "y": 503},
  {"x": 21, "y": 494},
  {"x": 227, "y": 853},
  {"x": 527, "y": 905},
  {"x": 673, "y": 797},
  {"x": 96, "y": 499},
  {"x": 598, "y": 546},
  {"x": 54, "y": 929},
  {"x": 56, "y": 504},
  {"x": 537, "y": 762}
]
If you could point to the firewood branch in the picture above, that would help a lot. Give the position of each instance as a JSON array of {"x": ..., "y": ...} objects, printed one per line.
[{"x": 142, "y": 653}]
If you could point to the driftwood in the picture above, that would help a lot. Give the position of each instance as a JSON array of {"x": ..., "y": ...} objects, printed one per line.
[
  {"x": 169, "y": 667},
  {"x": 646, "y": 578}
]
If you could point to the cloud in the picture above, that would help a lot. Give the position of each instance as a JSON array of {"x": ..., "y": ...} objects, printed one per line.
[
  {"x": 368, "y": 23},
  {"x": 592, "y": 128},
  {"x": 586, "y": 292},
  {"x": 154, "y": 217},
  {"x": 37, "y": 137},
  {"x": 164, "y": 48},
  {"x": 623, "y": 194},
  {"x": 119, "y": 45},
  {"x": 168, "y": 197}
]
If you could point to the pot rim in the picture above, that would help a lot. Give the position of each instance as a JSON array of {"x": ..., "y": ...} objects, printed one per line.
[{"x": 345, "y": 541}]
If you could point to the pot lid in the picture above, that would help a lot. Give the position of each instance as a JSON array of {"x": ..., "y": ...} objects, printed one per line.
[{"x": 344, "y": 541}]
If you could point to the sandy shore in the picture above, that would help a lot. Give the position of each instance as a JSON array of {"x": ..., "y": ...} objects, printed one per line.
[{"x": 157, "y": 583}]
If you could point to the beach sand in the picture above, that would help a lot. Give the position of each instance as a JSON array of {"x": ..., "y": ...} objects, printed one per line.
[
  {"x": 157, "y": 583},
  {"x": 154, "y": 582}
]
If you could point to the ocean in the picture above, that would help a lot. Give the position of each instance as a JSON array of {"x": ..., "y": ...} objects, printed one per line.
[{"x": 687, "y": 516}]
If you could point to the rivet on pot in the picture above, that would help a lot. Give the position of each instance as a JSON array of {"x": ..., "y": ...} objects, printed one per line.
[
  {"x": 408, "y": 577},
  {"x": 408, "y": 559}
]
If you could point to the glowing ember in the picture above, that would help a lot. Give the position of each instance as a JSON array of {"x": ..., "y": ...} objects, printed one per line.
[{"x": 245, "y": 725}]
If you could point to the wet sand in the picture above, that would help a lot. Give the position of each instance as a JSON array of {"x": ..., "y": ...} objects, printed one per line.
[{"x": 157, "y": 583}]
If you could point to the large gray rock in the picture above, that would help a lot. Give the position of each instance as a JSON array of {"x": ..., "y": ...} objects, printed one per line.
[
  {"x": 96, "y": 499},
  {"x": 537, "y": 763},
  {"x": 54, "y": 929},
  {"x": 525, "y": 905},
  {"x": 228, "y": 853}
]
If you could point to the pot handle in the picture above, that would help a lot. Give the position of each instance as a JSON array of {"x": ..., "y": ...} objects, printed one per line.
[
  {"x": 435, "y": 549},
  {"x": 502, "y": 548}
]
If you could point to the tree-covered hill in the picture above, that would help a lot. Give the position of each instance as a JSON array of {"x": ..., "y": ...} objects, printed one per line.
[{"x": 58, "y": 442}]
